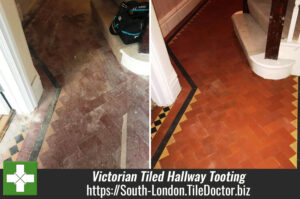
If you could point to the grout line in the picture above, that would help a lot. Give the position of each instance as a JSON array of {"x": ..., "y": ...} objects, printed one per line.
[{"x": 124, "y": 142}]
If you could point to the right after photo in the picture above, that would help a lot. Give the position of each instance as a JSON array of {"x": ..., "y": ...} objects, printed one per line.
[{"x": 224, "y": 84}]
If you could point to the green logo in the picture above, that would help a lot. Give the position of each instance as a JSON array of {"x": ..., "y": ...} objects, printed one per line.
[{"x": 19, "y": 178}]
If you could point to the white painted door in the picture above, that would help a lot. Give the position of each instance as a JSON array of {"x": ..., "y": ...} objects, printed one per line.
[{"x": 4, "y": 108}]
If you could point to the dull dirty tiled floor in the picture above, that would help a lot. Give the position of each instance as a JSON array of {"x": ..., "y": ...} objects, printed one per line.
[
  {"x": 23, "y": 131},
  {"x": 86, "y": 127},
  {"x": 236, "y": 119}
]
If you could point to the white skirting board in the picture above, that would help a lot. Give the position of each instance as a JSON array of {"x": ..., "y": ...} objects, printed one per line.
[
  {"x": 37, "y": 88},
  {"x": 176, "y": 15}
]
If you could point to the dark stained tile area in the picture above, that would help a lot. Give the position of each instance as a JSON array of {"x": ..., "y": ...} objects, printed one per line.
[{"x": 86, "y": 127}]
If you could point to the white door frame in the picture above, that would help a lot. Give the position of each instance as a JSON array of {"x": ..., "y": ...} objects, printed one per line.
[
  {"x": 165, "y": 86},
  {"x": 13, "y": 77}
]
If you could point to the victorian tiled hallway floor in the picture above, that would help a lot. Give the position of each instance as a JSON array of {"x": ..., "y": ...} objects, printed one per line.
[
  {"x": 97, "y": 94},
  {"x": 235, "y": 119}
]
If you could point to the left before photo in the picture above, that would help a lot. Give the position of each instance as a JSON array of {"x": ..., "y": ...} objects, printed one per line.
[{"x": 74, "y": 83}]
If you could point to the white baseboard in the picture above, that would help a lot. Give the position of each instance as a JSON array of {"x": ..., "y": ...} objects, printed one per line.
[
  {"x": 176, "y": 15},
  {"x": 37, "y": 88},
  {"x": 271, "y": 69}
]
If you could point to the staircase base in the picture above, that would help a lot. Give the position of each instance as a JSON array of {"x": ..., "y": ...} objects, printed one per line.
[
  {"x": 253, "y": 40},
  {"x": 271, "y": 69},
  {"x": 128, "y": 56},
  {"x": 291, "y": 50}
]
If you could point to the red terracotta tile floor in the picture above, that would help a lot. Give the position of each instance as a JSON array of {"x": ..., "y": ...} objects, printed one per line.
[
  {"x": 86, "y": 127},
  {"x": 236, "y": 119},
  {"x": 174, "y": 109}
]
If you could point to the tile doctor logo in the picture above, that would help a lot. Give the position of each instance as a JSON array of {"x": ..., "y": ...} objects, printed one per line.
[{"x": 20, "y": 178}]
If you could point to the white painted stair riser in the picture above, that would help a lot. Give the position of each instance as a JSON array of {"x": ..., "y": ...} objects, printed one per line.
[
  {"x": 253, "y": 43},
  {"x": 271, "y": 69},
  {"x": 291, "y": 50}
]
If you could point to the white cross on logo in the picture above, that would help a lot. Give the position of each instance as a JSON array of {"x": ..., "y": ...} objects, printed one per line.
[{"x": 20, "y": 178}]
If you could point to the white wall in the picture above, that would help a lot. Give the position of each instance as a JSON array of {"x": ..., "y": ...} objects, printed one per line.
[
  {"x": 18, "y": 76},
  {"x": 172, "y": 12},
  {"x": 10, "y": 10}
]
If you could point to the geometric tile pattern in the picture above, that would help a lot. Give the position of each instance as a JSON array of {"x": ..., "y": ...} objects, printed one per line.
[
  {"x": 36, "y": 121},
  {"x": 188, "y": 23},
  {"x": 25, "y": 128},
  {"x": 177, "y": 130},
  {"x": 294, "y": 134},
  {"x": 164, "y": 129},
  {"x": 16, "y": 147},
  {"x": 239, "y": 120},
  {"x": 86, "y": 127},
  {"x": 156, "y": 124}
]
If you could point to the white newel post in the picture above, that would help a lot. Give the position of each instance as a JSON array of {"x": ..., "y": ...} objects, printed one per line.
[
  {"x": 22, "y": 93},
  {"x": 165, "y": 86}
]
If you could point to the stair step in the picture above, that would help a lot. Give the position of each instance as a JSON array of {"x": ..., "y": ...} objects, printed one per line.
[
  {"x": 271, "y": 69},
  {"x": 104, "y": 12},
  {"x": 260, "y": 11},
  {"x": 251, "y": 35}
]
